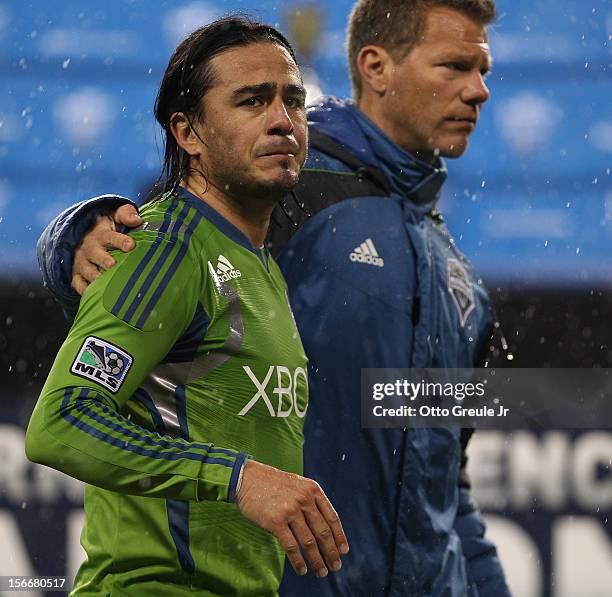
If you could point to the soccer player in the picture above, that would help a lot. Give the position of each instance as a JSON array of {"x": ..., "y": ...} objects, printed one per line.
[
  {"x": 180, "y": 393},
  {"x": 375, "y": 280}
]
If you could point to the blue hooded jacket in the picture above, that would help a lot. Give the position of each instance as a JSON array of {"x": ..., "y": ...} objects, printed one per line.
[
  {"x": 374, "y": 282},
  {"x": 416, "y": 302}
]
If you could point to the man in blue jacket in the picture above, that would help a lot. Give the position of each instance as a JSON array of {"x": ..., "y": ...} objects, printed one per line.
[{"x": 375, "y": 281}]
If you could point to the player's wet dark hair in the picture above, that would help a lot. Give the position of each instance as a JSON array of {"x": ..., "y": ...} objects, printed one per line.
[{"x": 189, "y": 76}]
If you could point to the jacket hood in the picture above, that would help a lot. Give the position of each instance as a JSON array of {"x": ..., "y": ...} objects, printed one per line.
[{"x": 406, "y": 175}]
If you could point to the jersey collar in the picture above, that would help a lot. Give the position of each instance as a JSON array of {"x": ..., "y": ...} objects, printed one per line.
[{"x": 224, "y": 225}]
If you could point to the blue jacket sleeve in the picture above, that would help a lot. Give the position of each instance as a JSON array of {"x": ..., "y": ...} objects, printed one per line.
[
  {"x": 483, "y": 566},
  {"x": 58, "y": 241}
]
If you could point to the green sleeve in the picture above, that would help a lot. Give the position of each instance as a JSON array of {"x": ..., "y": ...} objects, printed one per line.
[{"x": 128, "y": 320}]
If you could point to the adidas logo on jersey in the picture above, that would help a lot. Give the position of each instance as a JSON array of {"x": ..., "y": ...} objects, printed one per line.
[
  {"x": 366, "y": 253},
  {"x": 225, "y": 270}
]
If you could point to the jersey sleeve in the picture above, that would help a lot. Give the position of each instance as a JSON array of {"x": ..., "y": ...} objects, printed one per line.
[{"x": 128, "y": 320}]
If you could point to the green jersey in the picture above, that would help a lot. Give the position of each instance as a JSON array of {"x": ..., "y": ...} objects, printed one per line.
[{"x": 184, "y": 358}]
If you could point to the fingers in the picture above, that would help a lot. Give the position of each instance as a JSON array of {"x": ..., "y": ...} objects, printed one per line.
[
  {"x": 333, "y": 520},
  {"x": 91, "y": 255},
  {"x": 109, "y": 239},
  {"x": 290, "y": 546},
  {"x": 308, "y": 542},
  {"x": 103, "y": 238},
  {"x": 93, "y": 251},
  {"x": 324, "y": 538},
  {"x": 83, "y": 269},
  {"x": 127, "y": 215},
  {"x": 79, "y": 284}
]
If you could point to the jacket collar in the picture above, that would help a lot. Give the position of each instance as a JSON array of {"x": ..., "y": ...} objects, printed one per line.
[{"x": 407, "y": 176}]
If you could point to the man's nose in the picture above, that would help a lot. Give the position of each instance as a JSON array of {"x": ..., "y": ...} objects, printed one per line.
[
  {"x": 279, "y": 121},
  {"x": 475, "y": 92}
]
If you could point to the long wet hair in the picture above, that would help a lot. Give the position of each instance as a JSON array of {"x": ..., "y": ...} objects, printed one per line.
[{"x": 189, "y": 76}]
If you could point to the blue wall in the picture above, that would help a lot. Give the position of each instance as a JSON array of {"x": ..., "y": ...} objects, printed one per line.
[{"x": 531, "y": 201}]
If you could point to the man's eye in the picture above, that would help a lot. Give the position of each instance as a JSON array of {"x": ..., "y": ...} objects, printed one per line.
[
  {"x": 295, "y": 102},
  {"x": 457, "y": 66},
  {"x": 252, "y": 101}
]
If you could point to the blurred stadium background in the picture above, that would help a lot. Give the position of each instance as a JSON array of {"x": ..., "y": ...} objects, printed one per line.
[{"x": 530, "y": 203}]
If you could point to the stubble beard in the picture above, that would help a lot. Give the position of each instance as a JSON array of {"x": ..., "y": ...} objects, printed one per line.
[{"x": 243, "y": 187}]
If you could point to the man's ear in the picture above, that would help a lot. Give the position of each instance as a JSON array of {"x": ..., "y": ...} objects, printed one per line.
[
  {"x": 184, "y": 134},
  {"x": 374, "y": 64}
]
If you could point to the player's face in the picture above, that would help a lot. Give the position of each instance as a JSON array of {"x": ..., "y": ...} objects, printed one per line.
[
  {"x": 437, "y": 90},
  {"x": 253, "y": 126}
]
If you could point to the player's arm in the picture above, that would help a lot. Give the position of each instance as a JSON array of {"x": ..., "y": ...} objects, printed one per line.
[
  {"x": 137, "y": 311},
  {"x": 77, "y": 426},
  {"x": 62, "y": 245}
]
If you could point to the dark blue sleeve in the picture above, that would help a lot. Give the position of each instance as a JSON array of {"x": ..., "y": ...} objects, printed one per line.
[
  {"x": 58, "y": 241},
  {"x": 483, "y": 566}
]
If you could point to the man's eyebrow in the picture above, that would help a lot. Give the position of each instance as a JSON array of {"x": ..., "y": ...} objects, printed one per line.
[
  {"x": 453, "y": 55},
  {"x": 263, "y": 88},
  {"x": 255, "y": 89},
  {"x": 298, "y": 90}
]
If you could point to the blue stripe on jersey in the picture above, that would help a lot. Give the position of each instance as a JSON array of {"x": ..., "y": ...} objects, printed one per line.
[
  {"x": 170, "y": 272},
  {"x": 143, "y": 397},
  {"x": 186, "y": 347},
  {"x": 99, "y": 418},
  {"x": 181, "y": 411},
  {"x": 178, "y": 523},
  {"x": 121, "y": 443},
  {"x": 145, "y": 260},
  {"x": 178, "y": 510},
  {"x": 161, "y": 260}
]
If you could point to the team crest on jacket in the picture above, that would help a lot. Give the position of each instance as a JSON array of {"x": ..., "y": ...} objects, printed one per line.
[
  {"x": 102, "y": 362},
  {"x": 461, "y": 290}
]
